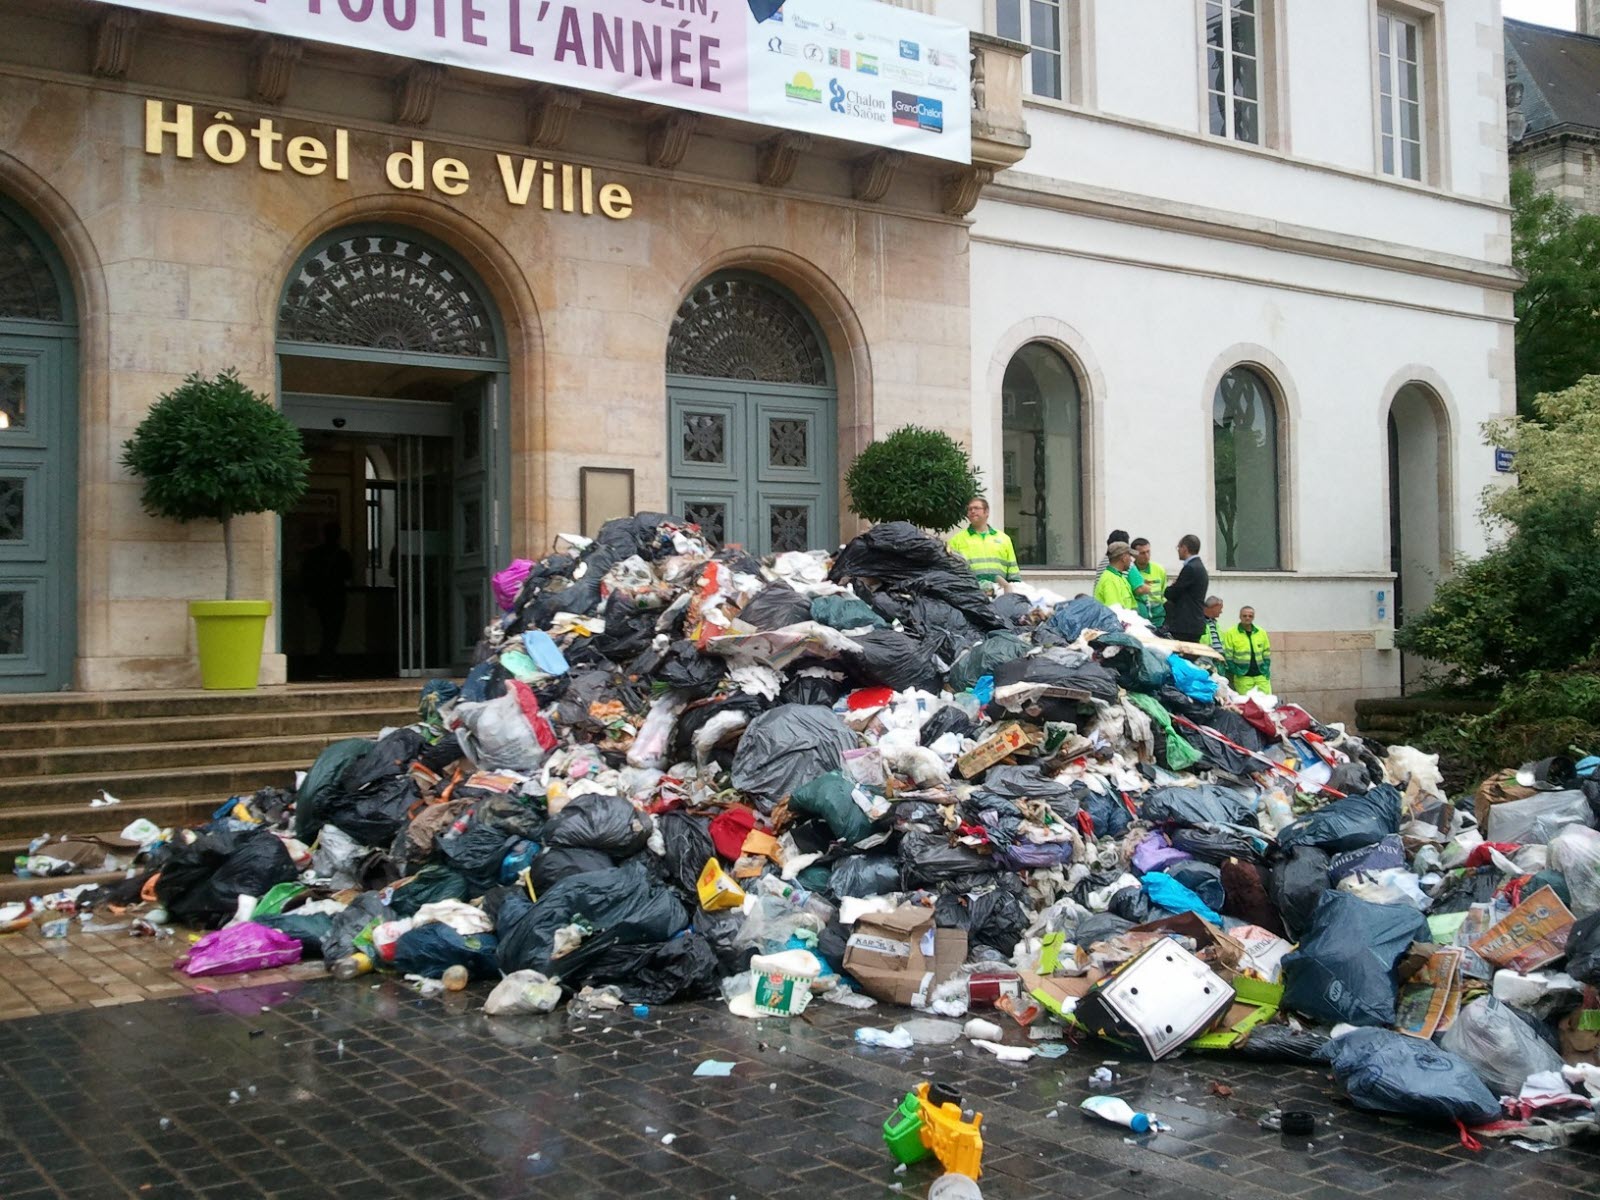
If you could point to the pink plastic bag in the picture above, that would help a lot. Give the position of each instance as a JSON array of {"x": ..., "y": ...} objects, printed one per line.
[
  {"x": 509, "y": 582},
  {"x": 246, "y": 947}
]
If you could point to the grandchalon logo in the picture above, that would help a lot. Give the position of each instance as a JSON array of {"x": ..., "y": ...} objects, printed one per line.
[
  {"x": 803, "y": 87},
  {"x": 919, "y": 112}
]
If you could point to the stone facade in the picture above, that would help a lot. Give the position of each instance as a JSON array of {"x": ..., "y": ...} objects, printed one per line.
[{"x": 179, "y": 265}]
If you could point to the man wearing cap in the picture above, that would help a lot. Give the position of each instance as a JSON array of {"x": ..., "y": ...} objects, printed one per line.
[
  {"x": 1114, "y": 588},
  {"x": 988, "y": 551},
  {"x": 1249, "y": 654}
]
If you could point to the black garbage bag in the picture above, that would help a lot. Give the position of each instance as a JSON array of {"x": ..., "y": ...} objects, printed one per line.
[
  {"x": 376, "y": 813},
  {"x": 1583, "y": 949},
  {"x": 476, "y": 853},
  {"x": 365, "y": 911},
  {"x": 1344, "y": 967},
  {"x": 943, "y": 626},
  {"x": 1464, "y": 887},
  {"x": 1012, "y": 608},
  {"x": 845, "y": 611},
  {"x": 1384, "y": 1071},
  {"x": 1298, "y": 882},
  {"x": 1001, "y": 646},
  {"x": 1131, "y": 904},
  {"x": 1072, "y": 617},
  {"x": 948, "y": 719},
  {"x": 788, "y": 746},
  {"x": 308, "y": 930},
  {"x": 1347, "y": 824},
  {"x": 686, "y": 670},
  {"x": 775, "y": 606},
  {"x": 1030, "y": 783},
  {"x": 1278, "y": 1043},
  {"x": 323, "y": 782},
  {"x": 821, "y": 690},
  {"x": 721, "y": 931},
  {"x": 1109, "y": 814},
  {"x": 1086, "y": 676},
  {"x": 390, "y": 756},
  {"x": 1216, "y": 844},
  {"x": 486, "y": 681},
  {"x": 639, "y": 534},
  {"x": 514, "y": 816},
  {"x": 831, "y": 797},
  {"x": 629, "y": 629},
  {"x": 597, "y": 822},
  {"x": 431, "y": 950},
  {"x": 930, "y": 858},
  {"x": 435, "y": 882},
  {"x": 625, "y": 899},
  {"x": 1100, "y": 927},
  {"x": 1206, "y": 804},
  {"x": 1217, "y": 751},
  {"x": 1139, "y": 668},
  {"x": 997, "y": 920},
  {"x": 688, "y": 849},
  {"x": 895, "y": 660},
  {"x": 1203, "y": 879},
  {"x": 683, "y": 968},
  {"x": 958, "y": 588},
  {"x": 201, "y": 881},
  {"x": 895, "y": 552},
  {"x": 865, "y": 875},
  {"x": 553, "y": 864},
  {"x": 695, "y": 718}
]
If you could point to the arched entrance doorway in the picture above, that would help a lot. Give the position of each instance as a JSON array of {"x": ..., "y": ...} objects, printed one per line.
[
  {"x": 391, "y": 360},
  {"x": 1419, "y": 490},
  {"x": 752, "y": 411},
  {"x": 38, "y": 459}
]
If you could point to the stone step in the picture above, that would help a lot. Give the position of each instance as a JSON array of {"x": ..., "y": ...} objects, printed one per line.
[
  {"x": 35, "y": 771},
  {"x": 181, "y": 795},
  {"x": 13, "y": 888},
  {"x": 109, "y": 731},
  {"x": 398, "y": 694}
]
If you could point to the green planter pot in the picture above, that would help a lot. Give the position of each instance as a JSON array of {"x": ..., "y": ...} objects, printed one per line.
[{"x": 230, "y": 633}]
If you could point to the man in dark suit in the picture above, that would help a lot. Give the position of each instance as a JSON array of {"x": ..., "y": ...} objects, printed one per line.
[{"x": 1186, "y": 594}]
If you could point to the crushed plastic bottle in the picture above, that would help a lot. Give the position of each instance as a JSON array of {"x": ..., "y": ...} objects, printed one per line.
[
  {"x": 455, "y": 978},
  {"x": 351, "y": 966}
]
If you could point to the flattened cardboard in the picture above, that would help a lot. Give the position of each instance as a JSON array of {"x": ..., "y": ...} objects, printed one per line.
[{"x": 886, "y": 955}]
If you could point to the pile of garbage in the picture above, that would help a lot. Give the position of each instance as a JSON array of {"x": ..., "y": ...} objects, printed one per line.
[{"x": 681, "y": 773}]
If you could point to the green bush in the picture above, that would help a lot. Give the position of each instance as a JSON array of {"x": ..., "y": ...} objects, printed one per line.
[
  {"x": 915, "y": 474},
  {"x": 212, "y": 449}
]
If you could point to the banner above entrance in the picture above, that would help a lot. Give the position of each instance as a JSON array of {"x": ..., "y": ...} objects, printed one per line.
[{"x": 851, "y": 69}]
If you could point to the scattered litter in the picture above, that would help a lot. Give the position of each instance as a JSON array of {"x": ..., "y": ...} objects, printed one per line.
[{"x": 715, "y": 1069}]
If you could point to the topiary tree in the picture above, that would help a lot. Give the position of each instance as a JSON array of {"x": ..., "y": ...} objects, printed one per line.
[
  {"x": 915, "y": 474},
  {"x": 214, "y": 450}
]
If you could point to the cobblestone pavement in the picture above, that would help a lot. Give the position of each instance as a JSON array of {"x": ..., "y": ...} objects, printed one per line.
[
  {"x": 309, "y": 1089},
  {"x": 97, "y": 970}
]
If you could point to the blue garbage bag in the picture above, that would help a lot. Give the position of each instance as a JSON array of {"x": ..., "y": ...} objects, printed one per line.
[
  {"x": 546, "y": 655},
  {"x": 1343, "y": 971},
  {"x": 1194, "y": 682},
  {"x": 1384, "y": 1071},
  {"x": 1071, "y": 618},
  {"x": 430, "y": 950},
  {"x": 1166, "y": 892}
]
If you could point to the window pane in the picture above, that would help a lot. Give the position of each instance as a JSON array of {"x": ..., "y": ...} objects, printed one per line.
[
  {"x": 1247, "y": 121},
  {"x": 1215, "y": 79},
  {"x": 1385, "y": 77},
  {"x": 1044, "y": 25},
  {"x": 1409, "y": 81},
  {"x": 1386, "y": 117},
  {"x": 1244, "y": 78},
  {"x": 1244, "y": 6},
  {"x": 1410, "y": 122},
  {"x": 1411, "y": 160},
  {"x": 1041, "y": 450},
  {"x": 1407, "y": 49},
  {"x": 1008, "y": 19},
  {"x": 1383, "y": 33},
  {"x": 1219, "y": 116},
  {"x": 1244, "y": 34},
  {"x": 1046, "y": 74},
  {"x": 1245, "y": 467},
  {"x": 1388, "y": 148},
  {"x": 1214, "y": 24},
  {"x": 13, "y": 396}
]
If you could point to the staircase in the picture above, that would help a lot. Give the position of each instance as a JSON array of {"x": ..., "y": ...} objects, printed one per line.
[{"x": 172, "y": 757}]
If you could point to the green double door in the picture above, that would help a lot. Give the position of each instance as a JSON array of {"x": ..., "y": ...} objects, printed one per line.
[{"x": 754, "y": 464}]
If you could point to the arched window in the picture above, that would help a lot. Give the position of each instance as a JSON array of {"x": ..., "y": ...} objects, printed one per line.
[
  {"x": 1244, "y": 445},
  {"x": 1042, "y": 457}
]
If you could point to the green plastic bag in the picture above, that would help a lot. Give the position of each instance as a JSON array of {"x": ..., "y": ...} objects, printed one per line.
[
  {"x": 322, "y": 782},
  {"x": 829, "y": 797},
  {"x": 1138, "y": 668},
  {"x": 1180, "y": 754},
  {"x": 845, "y": 612},
  {"x": 277, "y": 899}
]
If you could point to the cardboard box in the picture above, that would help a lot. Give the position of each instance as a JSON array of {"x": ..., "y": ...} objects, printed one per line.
[
  {"x": 899, "y": 957},
  {"x": 1001, "y": 744}
]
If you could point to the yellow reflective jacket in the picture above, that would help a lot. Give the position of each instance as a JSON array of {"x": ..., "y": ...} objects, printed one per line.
[{"x": 990, "y": 553}]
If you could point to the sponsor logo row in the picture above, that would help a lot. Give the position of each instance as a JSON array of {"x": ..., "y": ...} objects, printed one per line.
[
  {"x": 903, "y": 108},
  {"x": 837, "y": 58}
]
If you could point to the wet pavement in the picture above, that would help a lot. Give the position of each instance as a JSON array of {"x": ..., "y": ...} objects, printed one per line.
[{"x": 298, "y": 1090}]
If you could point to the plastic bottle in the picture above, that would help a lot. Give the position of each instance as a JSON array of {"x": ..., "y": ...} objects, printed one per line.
[
  {"x": 954, "y": 1187},
  {"x": 351, "y": 966},
  {"x": 1119, "y": 1112},
  {"x": 1276, "y": 811},
  {"x": 455, "y": 978}
]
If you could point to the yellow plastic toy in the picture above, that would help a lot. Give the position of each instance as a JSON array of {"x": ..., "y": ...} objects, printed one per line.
[{"x": 922, "y": 1126}]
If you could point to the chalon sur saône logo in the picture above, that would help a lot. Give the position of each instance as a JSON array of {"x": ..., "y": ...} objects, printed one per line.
[
  {"x": 918, "y": 111},
  {"x": 802, "y": 87},
  {"x": 849, "y": 102}
]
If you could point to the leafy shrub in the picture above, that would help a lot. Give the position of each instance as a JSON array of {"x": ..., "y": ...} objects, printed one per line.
[
  {"x": 212, "y": 449},
  {"x": 915, "y": 474}
]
